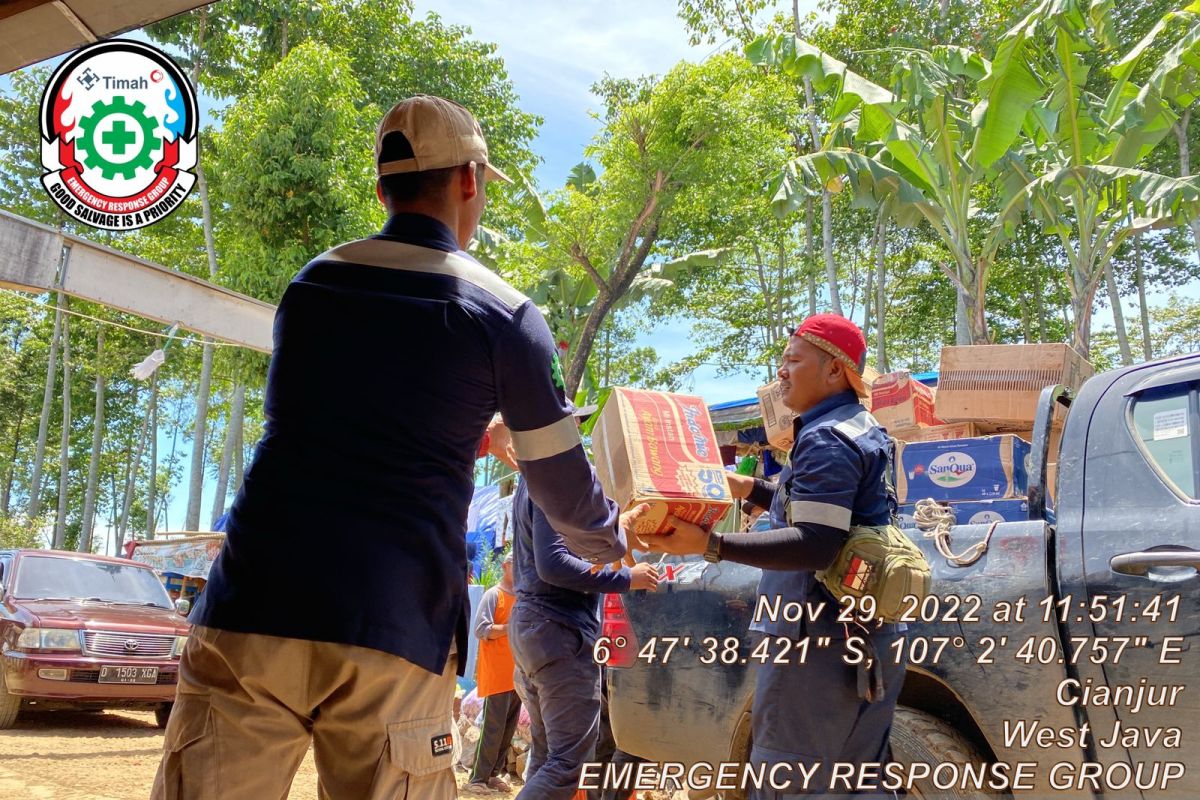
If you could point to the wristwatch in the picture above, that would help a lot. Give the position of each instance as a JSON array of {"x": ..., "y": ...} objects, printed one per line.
[{"x": 712, "y": 553}]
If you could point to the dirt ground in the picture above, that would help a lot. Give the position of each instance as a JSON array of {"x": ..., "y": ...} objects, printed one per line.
[{"x": 104, "y": 756}]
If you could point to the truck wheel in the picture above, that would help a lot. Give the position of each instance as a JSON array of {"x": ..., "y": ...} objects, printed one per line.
[
  {"x": 917, "y": 736},
  {"x": 10, "y": 704},
  {"x": 162, "y": 713}
]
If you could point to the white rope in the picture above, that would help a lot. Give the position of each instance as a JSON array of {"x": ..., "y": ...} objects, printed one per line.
[{"x": 935, "y": 521}]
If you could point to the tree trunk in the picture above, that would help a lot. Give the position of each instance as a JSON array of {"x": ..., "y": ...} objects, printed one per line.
[
  {"x": 1114, "y": 299},
  {"x": 6, "y": 500},
  {"x": 811, "y": 271},
  {"x": 1147, "y": 345},
  {"x": 39, "y": 454},
  {"x": 868, "y": 302},
  {"x": 1040, "y": 299},
  {"x": 831, "y": 275},
  {"x": 135, "y": 466},
  {"x": 962, "y": 329},
  {"x": 1081, "y": 324},
  {"x": 235, "y": 416},
  {"x": 583, "y": 349},
  {"x": 89, "y": 499},
  {"x": 64, "y": 460},
  {"x": 196, "y": 473},
  {"x": 239, "y": 450},
  {"x": 881, "y": 362},
  {"x": 175, "y": 429},
  {"x": 1185, "y": 166},
  {"x": 152, "y": 484}
]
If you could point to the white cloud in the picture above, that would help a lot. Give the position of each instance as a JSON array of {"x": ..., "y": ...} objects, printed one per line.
[{"x": 563, "y": 48}]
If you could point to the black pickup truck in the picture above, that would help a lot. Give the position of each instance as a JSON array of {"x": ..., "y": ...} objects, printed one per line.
[{"x": 1067, "y": 647}]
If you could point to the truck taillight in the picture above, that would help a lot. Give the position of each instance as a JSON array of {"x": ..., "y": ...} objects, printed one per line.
[{"x": 617, "y": 634}]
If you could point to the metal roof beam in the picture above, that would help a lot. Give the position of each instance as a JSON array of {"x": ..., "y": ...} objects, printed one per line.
[{"x": 32, "y": 256}]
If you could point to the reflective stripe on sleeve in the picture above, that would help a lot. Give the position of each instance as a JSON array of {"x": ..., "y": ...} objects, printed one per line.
[
  {"x": 557, "y": 437},
  {"x": 834, "y": 516}
]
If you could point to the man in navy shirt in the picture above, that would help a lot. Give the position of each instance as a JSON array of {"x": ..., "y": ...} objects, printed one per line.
[
  {"x": 552, "y": 633},
  {"x": 817, "y": 712},
  {"x": 338, "y": 602}
]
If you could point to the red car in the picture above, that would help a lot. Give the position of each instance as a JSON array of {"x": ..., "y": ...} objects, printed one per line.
[{"x": 83, "y": 631}]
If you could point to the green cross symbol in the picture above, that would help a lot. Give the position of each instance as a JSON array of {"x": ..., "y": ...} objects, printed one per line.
[
  {"x": 556, "y": 372},
  {"x": 118, "y": 137}
]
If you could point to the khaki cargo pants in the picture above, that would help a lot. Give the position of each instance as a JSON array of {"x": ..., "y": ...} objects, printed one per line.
[{"x": 248, "y": 706}]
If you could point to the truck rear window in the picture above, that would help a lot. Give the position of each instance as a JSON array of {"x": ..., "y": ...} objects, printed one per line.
[{"x": 1162, "y": 422}]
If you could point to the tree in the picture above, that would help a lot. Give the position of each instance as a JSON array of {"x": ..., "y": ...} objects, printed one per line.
[
  {"x": 671, "y": 167},
  {"x": 927, "y": 149},
  {"x": 1082, "y": 178},
  {"x": 209, "y": 44},
  {"x": 295, "y": 169}
]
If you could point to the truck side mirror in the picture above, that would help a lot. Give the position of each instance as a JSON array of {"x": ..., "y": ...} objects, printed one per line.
[{"x": 183, "y": 606}]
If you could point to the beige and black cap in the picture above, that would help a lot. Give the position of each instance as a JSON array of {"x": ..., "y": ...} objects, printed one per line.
[{"x": 442, "y": 134}]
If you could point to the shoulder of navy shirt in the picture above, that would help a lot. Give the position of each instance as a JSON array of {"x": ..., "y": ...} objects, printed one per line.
[
  {"x": 834, "y": 480},
  {"x": 391, "y": 355}
]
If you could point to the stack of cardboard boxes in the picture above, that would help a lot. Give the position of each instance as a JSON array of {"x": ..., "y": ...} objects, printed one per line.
[
  {"x": 972, "y": 453},
  {"x": 967, "y": 443}
]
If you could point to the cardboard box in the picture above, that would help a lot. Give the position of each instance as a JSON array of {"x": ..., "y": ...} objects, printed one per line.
[
  {"x": 777, "y": 418},
  {"x": 977, "y": 512},
  {"x": 998, "y": 385},
  {"x": 984, "y": 468},
  {"x": 1052, "y": 455},
  {"x": 936, "y": 433},
  {"x": 898, "y": 401},
  {"x": 869, "y": 376},
  {"x": 659, "y": 448}
]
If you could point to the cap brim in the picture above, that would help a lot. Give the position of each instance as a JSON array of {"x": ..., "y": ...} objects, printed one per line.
[
  {"x": 585, "y": 411},
  {"x": 856, "y": 383},
  {"x": 493, "y": 174}
]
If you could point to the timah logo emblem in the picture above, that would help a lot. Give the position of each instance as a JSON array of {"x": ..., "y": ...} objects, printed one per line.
[
  {"x": 118, "y": 122},
  {"x": 951, "y": 469}
]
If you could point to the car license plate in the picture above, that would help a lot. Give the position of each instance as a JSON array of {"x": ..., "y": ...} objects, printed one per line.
[{"x": 129, "y": 675}]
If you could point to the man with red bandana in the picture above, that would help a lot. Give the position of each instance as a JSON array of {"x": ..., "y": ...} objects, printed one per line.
[{"x": 822, "y": 711}]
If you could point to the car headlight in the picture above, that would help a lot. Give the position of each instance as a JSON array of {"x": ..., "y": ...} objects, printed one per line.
[
  {"x": 61, "y": 639},
  {"x": 180, "y": 641}
]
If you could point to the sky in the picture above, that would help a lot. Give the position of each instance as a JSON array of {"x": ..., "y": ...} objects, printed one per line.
[{"x": 554, "y": 53}]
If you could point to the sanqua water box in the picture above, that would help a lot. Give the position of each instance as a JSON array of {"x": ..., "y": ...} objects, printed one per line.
[
  {"x": 661, "y": 449},
  {"x": 983, "y": 468}
]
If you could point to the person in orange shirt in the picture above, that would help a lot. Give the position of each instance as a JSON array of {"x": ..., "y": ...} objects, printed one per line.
[{"x": 494, "y": 673}]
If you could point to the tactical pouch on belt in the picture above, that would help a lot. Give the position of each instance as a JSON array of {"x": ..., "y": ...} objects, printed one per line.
[{"x": 882, "y": 562}]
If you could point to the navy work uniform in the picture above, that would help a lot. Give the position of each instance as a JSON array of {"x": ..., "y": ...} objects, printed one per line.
[
  {"x": 815, "y": 711},
  {"x": 552, "y": 633},
  {"x": 339, "y": 599}
]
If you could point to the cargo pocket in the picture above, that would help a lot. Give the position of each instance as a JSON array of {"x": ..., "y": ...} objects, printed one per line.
[
  {"x": 189, "y": 769},
  {"x": 420, "y": 755}
]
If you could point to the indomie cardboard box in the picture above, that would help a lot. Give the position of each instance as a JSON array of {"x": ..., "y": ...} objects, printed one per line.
[
  {"x": 985, "y": 468},
  {"x": 777, "y": 418},
  {"x": 899, "y": 401},
  {"x": 659, "y": 448}
]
